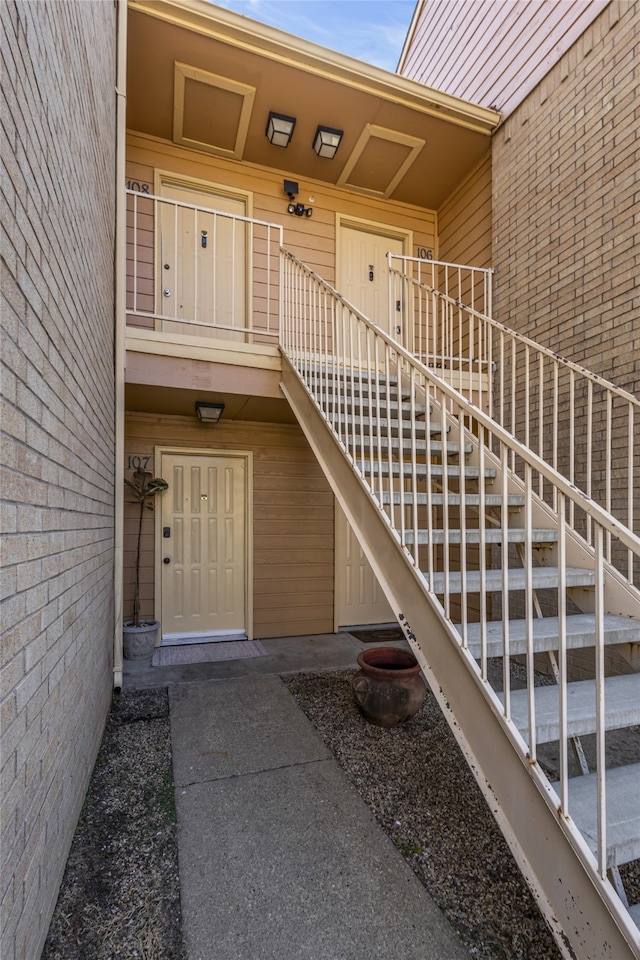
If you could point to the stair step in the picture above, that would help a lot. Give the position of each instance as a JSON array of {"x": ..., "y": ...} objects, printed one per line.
[
  {"x": 623, "y": 811},
  {"x": 542, "y": 577},
  {"x": 492, "y": 535},
  {"x": 491, "y": 500},
  {"x": 351, "y": 405},
  {"x": 622, "y": 707},
  {"x": 435, "y": 469},
  {"x": 580, "y": 634},
  {"x": 383, "y": 426},
  {"x": 420, "y": 445}
]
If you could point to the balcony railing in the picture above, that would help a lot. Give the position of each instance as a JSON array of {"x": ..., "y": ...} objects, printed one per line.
[{"x": 201, "y": 272}]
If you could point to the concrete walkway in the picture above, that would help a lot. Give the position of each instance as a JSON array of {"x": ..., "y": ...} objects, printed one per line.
[{"x": 279, "y": 857}]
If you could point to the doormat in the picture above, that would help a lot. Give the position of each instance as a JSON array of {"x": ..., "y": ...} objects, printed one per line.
[
  {"x": 386, "y": 635},
  {"x": 207, "y": 652}
]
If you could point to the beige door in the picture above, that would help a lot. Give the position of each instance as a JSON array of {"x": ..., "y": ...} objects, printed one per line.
[
  {"x": 364, "y": 273},
  {"x": 359, "y": 598},
  {"x": 203, "y": 548},
  {"x": 203, "y": 268}
]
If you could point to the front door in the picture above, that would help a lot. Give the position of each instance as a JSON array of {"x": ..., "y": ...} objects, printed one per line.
[
  {"x": 364, "y": 273},
  {"x": 359, "y": 597},
  {"x": 203, "y": 262},
  {"x": 203, "y": 548}
]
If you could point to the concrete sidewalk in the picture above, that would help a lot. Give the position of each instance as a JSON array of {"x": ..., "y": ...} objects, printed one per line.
[{"x": 279, "y": 856}]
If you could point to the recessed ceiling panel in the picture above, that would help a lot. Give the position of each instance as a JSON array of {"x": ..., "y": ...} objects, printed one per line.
[
  {"x": 379, "y": 161},
  {"x": 211, "y": 113}
]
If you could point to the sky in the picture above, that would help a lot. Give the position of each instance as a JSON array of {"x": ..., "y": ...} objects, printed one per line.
[{"x": 369, "y": 30}]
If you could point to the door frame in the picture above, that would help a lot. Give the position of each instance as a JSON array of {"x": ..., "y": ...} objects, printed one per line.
[
  {"x": 371, "y": 227},
  {"x": 210, "y": 453}
]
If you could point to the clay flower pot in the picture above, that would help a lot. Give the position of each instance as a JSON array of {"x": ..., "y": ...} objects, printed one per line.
[{"x": 389, "y": 688}]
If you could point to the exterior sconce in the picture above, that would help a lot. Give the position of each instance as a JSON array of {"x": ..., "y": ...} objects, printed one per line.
[
  {"x": 209, "y": 412},
  {"x": 280, "y": 129},
  {"x": 326, "y": 142}
]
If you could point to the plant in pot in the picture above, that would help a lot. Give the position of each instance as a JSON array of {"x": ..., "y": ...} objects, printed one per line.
[{"x": 140, "y": 634}]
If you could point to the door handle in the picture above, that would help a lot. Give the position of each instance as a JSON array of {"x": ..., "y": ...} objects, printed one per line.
[
  {"x": 167, "y": 292},
  {"x": 166, "y": 560}
]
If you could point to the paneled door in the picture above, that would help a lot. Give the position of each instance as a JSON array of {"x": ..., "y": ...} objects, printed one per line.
[
  {"x": 364, "y": 272},
  {"x": 359, "y": 597},
  {"x": 203, "y": 548},
  {"x": 203, "y": 262}
]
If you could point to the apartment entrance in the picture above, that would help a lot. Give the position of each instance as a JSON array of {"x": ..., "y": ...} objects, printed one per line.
[
  {"x": 202, "y": 537},
  {"x": 202, "y": 274},
  {"x": 363, "y": 267}
]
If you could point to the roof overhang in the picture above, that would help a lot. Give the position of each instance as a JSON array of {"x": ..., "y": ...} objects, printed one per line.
[{"x": 207, "y": 78}]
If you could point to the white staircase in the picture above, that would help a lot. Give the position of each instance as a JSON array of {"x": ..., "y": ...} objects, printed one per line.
[{"x": 477, "y": 542}]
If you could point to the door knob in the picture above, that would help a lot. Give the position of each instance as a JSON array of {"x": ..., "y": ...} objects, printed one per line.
[{"x": 166, "y": 559}]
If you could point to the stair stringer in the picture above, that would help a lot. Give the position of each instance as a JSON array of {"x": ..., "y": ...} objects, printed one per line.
[{"x": 583, "y": 912}]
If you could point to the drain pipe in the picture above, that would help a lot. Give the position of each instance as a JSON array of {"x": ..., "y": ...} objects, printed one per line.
[{"x": 119, "y": 345}]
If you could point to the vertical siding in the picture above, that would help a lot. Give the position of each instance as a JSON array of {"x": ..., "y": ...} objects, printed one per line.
[
  {"x": 57, "y": 315},
  {"x": 293, "y": 524},
  {"x": 493, "y": 54},
  {"x": 465, "y": 220}
]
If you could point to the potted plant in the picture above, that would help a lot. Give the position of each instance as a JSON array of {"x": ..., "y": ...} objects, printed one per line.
[{"x": 139, "y": 635}]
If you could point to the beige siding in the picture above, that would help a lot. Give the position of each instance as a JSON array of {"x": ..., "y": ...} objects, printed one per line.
[
  {"x": 57, "y": 313},
  {"x": 493, "y": 54},
  {"x": 310, "y": 239},
  {"x": 293, "y": 527},
  {"x": 465, "y": 220}
]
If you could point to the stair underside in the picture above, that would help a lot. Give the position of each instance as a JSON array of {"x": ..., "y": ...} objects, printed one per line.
[
  {"x": 622, "y": 707},
  {"x": 623, "y": 811}
]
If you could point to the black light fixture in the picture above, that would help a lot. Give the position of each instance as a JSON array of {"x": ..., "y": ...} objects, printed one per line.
[
  {"x": 209, "y": 412},
  {"x": 280, "y": 129},
  {"x": 298, "y": 209},
  {"x": 326, "y": 142}
]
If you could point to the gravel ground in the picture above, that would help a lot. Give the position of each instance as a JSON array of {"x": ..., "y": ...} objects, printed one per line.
[{"x": 120, "y": 896}]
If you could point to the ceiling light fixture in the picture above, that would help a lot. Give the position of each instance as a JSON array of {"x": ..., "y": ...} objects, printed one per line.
[
  {"x": 326, "y": 142},
  {"x": 209, "y": 412},
  {"x": 280, "y": 129}
]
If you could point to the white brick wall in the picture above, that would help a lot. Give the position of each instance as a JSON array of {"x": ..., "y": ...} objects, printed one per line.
[{"x": 58, "y": 210}]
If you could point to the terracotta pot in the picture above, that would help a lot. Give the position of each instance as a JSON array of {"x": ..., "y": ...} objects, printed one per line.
[
  {"x": 389, "y": 688},
  {"x": 139, "y": 642}
]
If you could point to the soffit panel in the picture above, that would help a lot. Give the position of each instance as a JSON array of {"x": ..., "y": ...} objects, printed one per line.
[{"x": 211, "y": 115}]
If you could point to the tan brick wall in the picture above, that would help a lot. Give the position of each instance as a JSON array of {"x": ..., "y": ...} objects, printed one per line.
[
  {"x": 565, "y": 227},
  {"x": 58, "y": 109}
]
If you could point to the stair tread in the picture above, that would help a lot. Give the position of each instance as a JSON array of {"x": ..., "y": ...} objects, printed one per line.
[
  {"x": 383, "y": 425},
  {"x": 580, "y": 634},
  {"x": 437, "y": 499},
  {"x": 436, "y": 470},
  {"x": 542, "y": 577},
  {"x": 622, "y": 707},
  {"x": 420, "y": 445},
  {"x": 492, "y": 535},
  {"x": 623, "y": 811}
]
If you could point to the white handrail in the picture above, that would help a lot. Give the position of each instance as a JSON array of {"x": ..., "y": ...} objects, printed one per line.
[
  {"x": 581, "y": 424},
  {"x": 200, "y": 271},
  {"x": 361, "y": 380}
]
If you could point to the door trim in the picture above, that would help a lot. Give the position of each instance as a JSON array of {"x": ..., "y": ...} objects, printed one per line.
[
  {"x": 368, "y": 226},
  {"x": 209, "y": 453}
]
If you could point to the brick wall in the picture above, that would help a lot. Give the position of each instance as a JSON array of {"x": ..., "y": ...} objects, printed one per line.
[
  {"x": 566, "y": 232},
  {"x": 58, "y": 154}
]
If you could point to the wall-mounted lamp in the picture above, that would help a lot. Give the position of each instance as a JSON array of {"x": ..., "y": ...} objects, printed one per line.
[
  {"x": 209, "y": 412},
  {"x": 280, "y": 129},
  {"x": 326, "y": 142}
]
